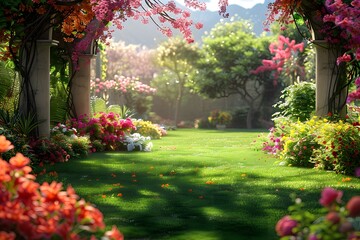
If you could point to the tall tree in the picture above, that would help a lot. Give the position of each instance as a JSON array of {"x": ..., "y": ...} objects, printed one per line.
[
  {"x": 230, "y": 52},
  {"x": 176, "y": 58}
]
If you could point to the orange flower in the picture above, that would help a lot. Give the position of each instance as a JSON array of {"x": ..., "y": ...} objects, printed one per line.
[
  {"x": 19, "y": 161},
  {"x": 120, "y": 195},
  {"x": 114, "y": 234},
  {"x": 5, "y": 145},
  {"x": 6, "y": 235},
  {"x": 209, "y": 182},
  {"x": 51, "y": 192}
]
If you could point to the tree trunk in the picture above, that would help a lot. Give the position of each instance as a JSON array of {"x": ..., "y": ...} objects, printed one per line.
[{"x": 249, "y": 117}]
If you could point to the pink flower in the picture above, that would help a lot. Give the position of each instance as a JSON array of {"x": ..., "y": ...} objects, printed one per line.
[
  {"x": 333, "y": 217},
  {"x": 329, "y": 196},
  {"x": 353, "y": 206},
  {"x": 285, "y": 226}
]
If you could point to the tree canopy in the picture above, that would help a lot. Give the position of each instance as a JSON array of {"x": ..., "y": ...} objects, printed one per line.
[{"x": 230, "y": 53}]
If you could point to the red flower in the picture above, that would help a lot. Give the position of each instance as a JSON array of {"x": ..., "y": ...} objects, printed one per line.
[{"x": 353, "y": 206}]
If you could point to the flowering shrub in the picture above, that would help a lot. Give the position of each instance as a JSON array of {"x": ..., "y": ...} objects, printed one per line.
[
  {"x": 33, "y": 211},
  {"x": 274, "y": 143},
  {"x": 47, "y": 151},
  {"x": 63, "y": 129},
  {"x": 316, "y": 142},
  {"x": 105, "y": 127},
  {"x": 147, "y": 128},
  {"x": 339, "y": 221},
  {"x": 137, "y": 142},
  {"x": 220, "y": 117}
]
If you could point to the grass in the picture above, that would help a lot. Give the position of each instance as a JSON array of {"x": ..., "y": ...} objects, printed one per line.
[{"x": 196, "y": 184}]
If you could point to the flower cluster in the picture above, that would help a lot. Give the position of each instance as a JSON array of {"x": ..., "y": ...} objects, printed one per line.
[
  {"x": 120, "y": 83},
  {"x": 106, "y": 127},
  {"x": 147, "y": 128},
  {"x": 220, "y": 117},
  {"x": 33, "y": 211},
  {"x": 137, "y": 142},
  {"x": 339, "y": 222},
  {"x": 317, "y": 143},
  {"x": 284, "y": 51},
  {"x": 63, "y": 129}
]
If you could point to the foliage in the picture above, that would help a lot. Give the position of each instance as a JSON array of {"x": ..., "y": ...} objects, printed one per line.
[
  {"x": 6, "y": 79},
  {"x": 316, "y": 142},
  {"x": 105, "y": 127},
  {"x": 297, "y": 101},
  {"x": 37, "y": 211},
  {"x": 147, "y": 128},
  {"x": 80, "y": 146},
  {"x": 22, "y": 124},
  {"x": 219, "y": 117},
  {"x": 337, "y": 221},
  {"x": 229, "y": 54},
  {"x": 47, "y": 151}
]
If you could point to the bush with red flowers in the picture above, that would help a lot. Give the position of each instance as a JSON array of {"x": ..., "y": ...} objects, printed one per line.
[
  {"x": 29, "y": 210},
  {"x": 340, "y": 221},
  {"x": 106, "y": 127}
]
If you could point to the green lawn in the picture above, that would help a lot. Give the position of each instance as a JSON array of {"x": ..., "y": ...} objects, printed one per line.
[{"x": 196, "y": 184}]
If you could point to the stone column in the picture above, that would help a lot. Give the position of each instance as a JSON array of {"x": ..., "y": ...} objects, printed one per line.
[
  {"x": 80, "y": 88},
  {"x": 40, "y": 82},
  {"x": 328, "y": 80}
]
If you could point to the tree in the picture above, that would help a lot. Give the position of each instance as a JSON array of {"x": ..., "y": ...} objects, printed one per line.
[
  {"x": 285, "y": 60},
  {"x": 230, "y": 52},
  {"x": 176, "y": 58}
]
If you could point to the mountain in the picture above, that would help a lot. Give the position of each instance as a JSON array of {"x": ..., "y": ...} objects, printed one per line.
[{"x": 135, "y": 32}]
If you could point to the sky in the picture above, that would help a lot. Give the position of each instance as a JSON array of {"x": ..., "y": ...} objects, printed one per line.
[{"x": 212, "y": 5}]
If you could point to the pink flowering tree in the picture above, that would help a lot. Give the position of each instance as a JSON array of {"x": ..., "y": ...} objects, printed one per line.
[
  {"x": 284, "y": 61},
  {"x": 128, "y": 91},
  {"x": 337, "y": 23},
  {"x": 130, "y": 60}
]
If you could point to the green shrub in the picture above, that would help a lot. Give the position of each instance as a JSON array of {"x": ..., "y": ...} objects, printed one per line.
[
  {"x": 297, "y": 101},
  {"x": 220, "y": 117},
  {"x": 80, "y": 146}
]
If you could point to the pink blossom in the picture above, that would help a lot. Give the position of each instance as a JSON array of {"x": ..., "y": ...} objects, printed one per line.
[
  {"x": 353, "y": 206},
  {"x": 285, "y": 226},
  {"x": 329, "y": 196}
]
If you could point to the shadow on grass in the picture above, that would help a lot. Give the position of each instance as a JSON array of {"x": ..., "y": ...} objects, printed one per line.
[{"x": 176, "y": 194}]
